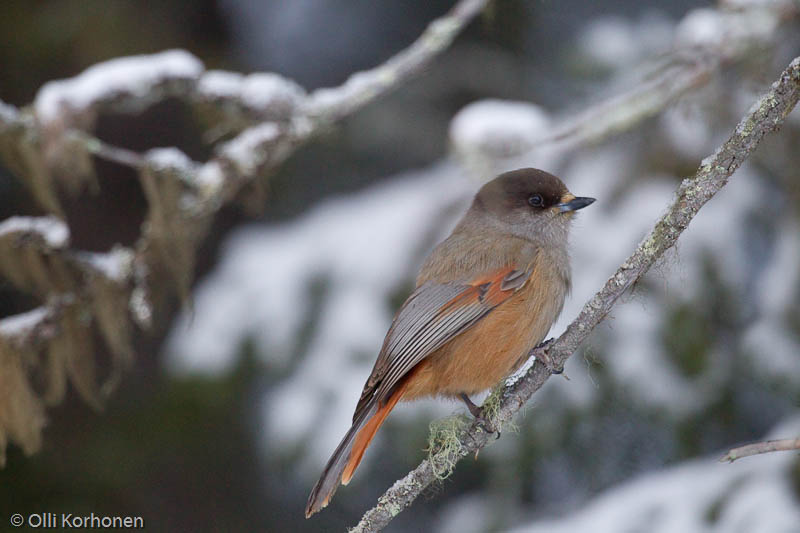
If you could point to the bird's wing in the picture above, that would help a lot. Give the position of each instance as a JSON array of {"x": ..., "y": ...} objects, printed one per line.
[{"x": 433, "y": 315}]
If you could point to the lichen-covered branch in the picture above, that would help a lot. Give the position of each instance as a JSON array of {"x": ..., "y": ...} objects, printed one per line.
[
  {"x": 766, "y": 116},
  {"x": 264, "y": 118},
  {"x": 55, "y": 341},
  {"x": 782, "y": 445}
]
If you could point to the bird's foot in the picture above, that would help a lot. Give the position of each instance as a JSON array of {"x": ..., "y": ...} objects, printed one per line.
[
  {"x": 477, "y": 412},
  {"x": 540, "y": 353}
]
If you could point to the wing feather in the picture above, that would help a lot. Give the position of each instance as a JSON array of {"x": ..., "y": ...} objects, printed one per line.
[{"x": 430, "y": 317}]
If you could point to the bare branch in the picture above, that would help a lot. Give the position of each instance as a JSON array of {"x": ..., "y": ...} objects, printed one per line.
[
  {"x": 783, "y": 445},
  {"x": 691, "y": 64},
  {"x": 766, "y": 116},
  {"x": 705, "y": 41},
  {"x": 114, "y": 154},
  {"x": 643, "y": 101},
  {"x": 362, "y": 87}
]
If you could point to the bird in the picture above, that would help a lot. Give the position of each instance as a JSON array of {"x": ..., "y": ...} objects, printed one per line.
[{"x": 484, "y": 297}]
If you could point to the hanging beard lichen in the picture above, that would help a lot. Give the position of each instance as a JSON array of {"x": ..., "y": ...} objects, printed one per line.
[
  {"x": 21, "y": 410},
  {"x": 44, "y": 349}
]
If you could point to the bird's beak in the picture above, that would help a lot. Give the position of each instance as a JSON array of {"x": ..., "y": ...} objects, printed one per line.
[{"x": 574, "y": 204}]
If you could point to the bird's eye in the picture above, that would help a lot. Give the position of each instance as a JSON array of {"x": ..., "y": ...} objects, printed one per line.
[{"x": 535, "y": 200}]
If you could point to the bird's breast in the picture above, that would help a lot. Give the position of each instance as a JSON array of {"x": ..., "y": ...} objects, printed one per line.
[{"x": 495, "y": 346}]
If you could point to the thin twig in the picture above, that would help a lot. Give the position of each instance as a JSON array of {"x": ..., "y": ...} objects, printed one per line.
[
  {"x": 362, "y": 87},
  {"x": 621, "y": 112},
  {"x": 782, "y": 445},
  {"x": 766, "y": 116},
  {"x": 114, "y": 154},
  {"x": 691, "y": 64}
]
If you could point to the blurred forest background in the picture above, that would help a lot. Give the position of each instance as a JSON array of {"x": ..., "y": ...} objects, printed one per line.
[{"x": 234, "y": 403}]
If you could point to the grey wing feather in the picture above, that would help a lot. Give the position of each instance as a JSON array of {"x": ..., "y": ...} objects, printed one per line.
[
  {"x": 418, "y": 330},
  {"x": 429, "y": 338},
  {"x": 404, "y": 341}
]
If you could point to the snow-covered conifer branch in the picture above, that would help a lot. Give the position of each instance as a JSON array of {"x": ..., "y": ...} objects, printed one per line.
[{"x": 264, "y": 116}]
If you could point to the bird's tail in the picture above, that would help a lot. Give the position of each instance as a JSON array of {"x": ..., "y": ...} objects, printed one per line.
[{"x": 348, "y": 454}]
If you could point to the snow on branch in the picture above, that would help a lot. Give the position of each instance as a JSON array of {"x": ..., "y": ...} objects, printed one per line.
[
  {"x": 130, "y": 83},
  {"x": 765, "y": 116},
  {"x": 30, "y": 328},
  {"x": 52, "y": 231}
]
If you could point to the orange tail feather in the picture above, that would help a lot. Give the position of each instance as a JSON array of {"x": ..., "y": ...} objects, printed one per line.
[
  {"x": 348, "y": 454},
  {"x": 367, "y": 433}
]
